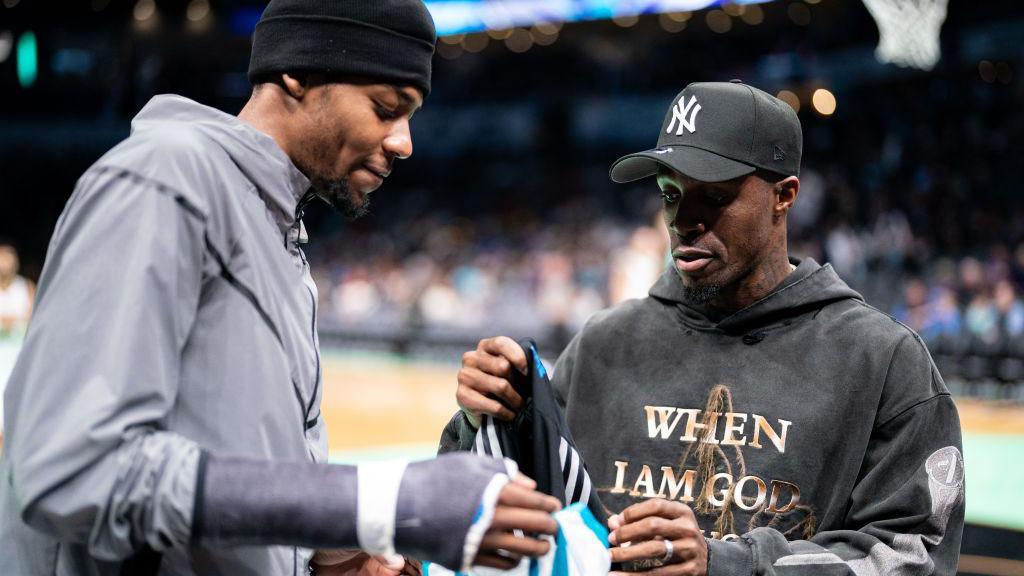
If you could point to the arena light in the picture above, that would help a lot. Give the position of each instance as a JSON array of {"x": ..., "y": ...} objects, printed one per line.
[
  {"x": 144, "y": 10},
  {"x": 789, "y": 97},
  {"x": 500, "y": 33},
  {"x": 718, "y": 21},
  {"x": 670, "y": 24},
  {"x": 626, "y": 20},
  {"x": 474, "y": 43},
  {"x": 753, "y": 15},
  {"x": 6, "y": 44},
  {"x": 28, "y": 59},
  {"x": 467, "y": 16},
  {"x": 145, "y": 16},
  {"x": 824, "y": 102},
  {"x": 197, "y": 10},
  {"x": 519, "y": 41},
  {"x": 800, "y": 14},
  {"x": 987, "y": 70},
  {"x": 544, "y": 33}
]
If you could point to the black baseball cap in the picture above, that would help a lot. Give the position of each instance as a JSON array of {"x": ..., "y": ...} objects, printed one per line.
[{"x": 716, "y": 131}]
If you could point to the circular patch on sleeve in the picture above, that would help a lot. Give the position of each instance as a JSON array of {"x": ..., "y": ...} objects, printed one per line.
[{"x": 946, "y": 467}]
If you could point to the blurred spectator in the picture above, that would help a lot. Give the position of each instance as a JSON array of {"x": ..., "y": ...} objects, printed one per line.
[
  {"x": 914, "y": 311},
  {"x": 846, "y": 252},
  {"x": 944, "y": 318},
  {"x": 1010, "y": 309},
  {"x": 982, "y": 318},
  {"x": 635, "y": 267},
  {"x": 16, "y": 294}
]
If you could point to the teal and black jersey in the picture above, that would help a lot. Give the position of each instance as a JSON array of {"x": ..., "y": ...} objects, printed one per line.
[{"x": 538, "y": 440}]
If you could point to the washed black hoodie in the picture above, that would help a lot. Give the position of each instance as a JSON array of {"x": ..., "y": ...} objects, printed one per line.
[{"x": 810, "y": 432}]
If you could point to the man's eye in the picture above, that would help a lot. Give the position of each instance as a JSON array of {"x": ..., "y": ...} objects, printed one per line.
[
  {"x": 386, "y": 114},
  {"x": 670, "y": 197},
  {"x": 719, "y": 199}
]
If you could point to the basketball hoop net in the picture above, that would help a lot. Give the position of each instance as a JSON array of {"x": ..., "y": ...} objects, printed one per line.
[{"x": 908, "y": 31}]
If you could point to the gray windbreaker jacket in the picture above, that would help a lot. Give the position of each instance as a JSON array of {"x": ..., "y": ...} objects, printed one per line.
[{"x": 202, "y": 335}]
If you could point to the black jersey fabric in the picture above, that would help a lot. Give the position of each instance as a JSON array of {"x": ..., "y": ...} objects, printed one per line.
[{"x": 538, "y": 440}]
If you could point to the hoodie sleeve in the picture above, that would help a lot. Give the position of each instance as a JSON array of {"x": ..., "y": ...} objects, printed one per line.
[
  {"x": 458, "y": 435},
  {"x": 99, "y": 370},
  {"x": 906, "y": 512}
]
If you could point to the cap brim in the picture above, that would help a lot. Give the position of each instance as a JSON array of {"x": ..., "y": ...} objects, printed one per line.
[{"x": 696, "y": 163}]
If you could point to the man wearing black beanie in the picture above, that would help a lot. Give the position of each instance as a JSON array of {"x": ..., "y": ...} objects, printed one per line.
[{"x": 164, "y": 413}]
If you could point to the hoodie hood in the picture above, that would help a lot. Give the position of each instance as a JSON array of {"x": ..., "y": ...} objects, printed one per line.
[
  {"x": 277, "y": 180},
  {"x": 809, "y": 287}
]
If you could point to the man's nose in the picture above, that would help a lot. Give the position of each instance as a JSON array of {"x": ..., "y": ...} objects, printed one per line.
[
  {"x": 687, "y": 224},
  {"x": 399, "y": 142}
]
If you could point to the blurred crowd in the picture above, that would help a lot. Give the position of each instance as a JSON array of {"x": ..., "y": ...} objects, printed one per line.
[
  {"x": 911, "y": 194},
  {"x": 16, "y": 295},
  {"x": 531, "y": 276},
  {"x": 524, "y": 276},
  {"x": 505, "y": 221}
]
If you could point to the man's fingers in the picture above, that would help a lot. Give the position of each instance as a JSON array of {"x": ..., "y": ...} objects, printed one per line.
[
  {"x": 532, "y": 521},
  {"x": 485, "y": 383},
  {"x": 506, "y": 347},
  {"x": 654, "y": 527},
  {"x": 516, "y": 496},
  {"x": 517, "y": 545},
  {"x": 495, "y": 561},
  {"x": 614, "y": 521},
  {"x": 688, "y": 569},
  {"x": 653, "y": 549},
  {"x": 656, "y": 507},
  {"x": 412, "y": 567},
  {"x": 475, "y": 402},
  {"x": 525, "y": 481},
  {"x": 494, "y": 364},
  {"x": 332, "y": 556}
]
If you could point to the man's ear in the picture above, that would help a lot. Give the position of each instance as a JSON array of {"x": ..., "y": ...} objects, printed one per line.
[
  {"x": 297, "y": 87},
  {"x": 786, "y": 192}
]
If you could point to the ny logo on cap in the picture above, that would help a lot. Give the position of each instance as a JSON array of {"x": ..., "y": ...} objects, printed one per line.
[{"x": 679, "y": 112}]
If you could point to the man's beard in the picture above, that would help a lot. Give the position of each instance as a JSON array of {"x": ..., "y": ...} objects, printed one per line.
[
  {"x": 336, "y": 193},
  {"x": 332, "y": 190},
  {"x": 701, "y": 295}
]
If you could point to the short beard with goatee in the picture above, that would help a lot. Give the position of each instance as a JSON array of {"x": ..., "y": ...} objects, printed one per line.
[
  {"x": 701, "y": 295},
  {"x": 336, "y": 193}
]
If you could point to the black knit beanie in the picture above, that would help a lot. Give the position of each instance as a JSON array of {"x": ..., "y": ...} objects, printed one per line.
[{"x": 390, "y": 40}]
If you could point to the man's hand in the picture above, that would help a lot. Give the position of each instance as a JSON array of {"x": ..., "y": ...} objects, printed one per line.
[
  {"x": 359, "y": 563},
  {"x": 485, "y": 385},
  {"x": 647, "y": 527},
  {"x": 519, "y": 508}
]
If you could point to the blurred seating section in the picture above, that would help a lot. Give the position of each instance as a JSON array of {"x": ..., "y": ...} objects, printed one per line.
[{"x": 504, "y": 220}]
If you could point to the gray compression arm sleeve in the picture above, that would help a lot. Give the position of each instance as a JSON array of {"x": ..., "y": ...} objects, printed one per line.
[{"x": 244, "y": 501}]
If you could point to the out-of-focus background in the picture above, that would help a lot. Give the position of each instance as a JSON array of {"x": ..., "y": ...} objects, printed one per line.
[{"x": 504, "y": 220}]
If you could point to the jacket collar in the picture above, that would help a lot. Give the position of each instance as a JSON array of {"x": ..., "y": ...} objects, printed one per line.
[{"x": 279, "y": 183}]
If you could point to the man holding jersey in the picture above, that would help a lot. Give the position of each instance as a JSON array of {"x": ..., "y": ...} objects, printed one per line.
[{"x": 752, "y": 415}]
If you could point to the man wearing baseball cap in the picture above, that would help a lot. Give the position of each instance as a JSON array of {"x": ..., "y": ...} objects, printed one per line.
[
  {"x": 164, "y": 414},
  {"x": 752, "y": 415}
]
